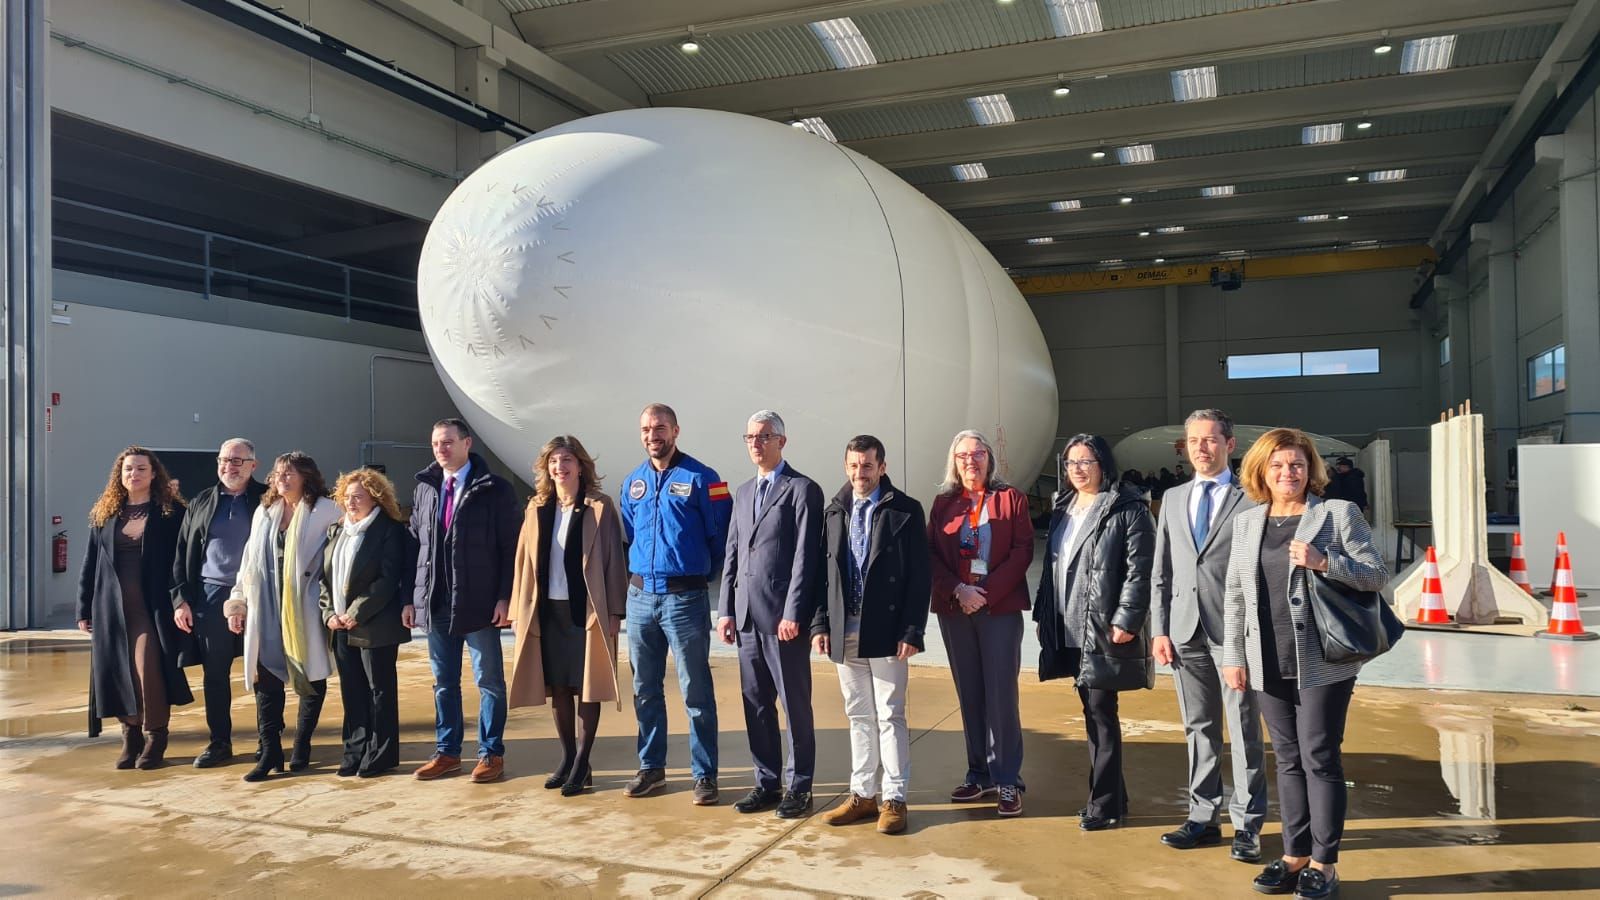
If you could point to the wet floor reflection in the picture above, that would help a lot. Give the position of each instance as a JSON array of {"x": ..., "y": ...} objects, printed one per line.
[{"x": 1466, "y": 757}]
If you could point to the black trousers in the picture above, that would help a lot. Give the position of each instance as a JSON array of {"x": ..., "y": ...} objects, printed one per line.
[
  {"x": 1108, "y": 792},
  {"x": 218, "y": 648},
  {"x": 369, "y": 689},
  {"x": 774, "y": 674},
  {"x": 1307, "y": 727}
]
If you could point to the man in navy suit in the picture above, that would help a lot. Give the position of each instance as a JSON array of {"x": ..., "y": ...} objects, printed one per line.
[{"x": 768, "y": 589}]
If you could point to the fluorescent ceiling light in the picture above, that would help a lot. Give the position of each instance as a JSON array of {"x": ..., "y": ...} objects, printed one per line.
[
  {"x": 1319, "y": 217},
  {"x": 970, "y": 172},
  {"x": 1042, "y": 240},
  {"x": 1234, "y": 253},
  {"x": 991, "y": 109},
  {"x": 816, "y": 126},
  {"x": 1331, "y": 133},
  {"x": 1387, "y": 175},
  {"x": 1352, "y": 178},
  {"x": 1344, "y": 217},
  {"x": 844, "y": 43},
  {"x": 1111, "y": 262},
  {"x": 1217, "y": 190},
  {"x": 1170, "y": 229},
  {"x": 1135, "y": 154},
  {"x": 1194, "y": 84},
  {"x": 1074, "y": 17},
  {"x": 1065, "y": 205},
  {"x": 1144, "y": 234},
  {"x": 1428, "y": 54},
  {"x": 1159, "y": 260}
]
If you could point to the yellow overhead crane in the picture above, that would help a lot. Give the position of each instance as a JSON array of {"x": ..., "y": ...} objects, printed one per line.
[{"x": 1298, "y": 266}]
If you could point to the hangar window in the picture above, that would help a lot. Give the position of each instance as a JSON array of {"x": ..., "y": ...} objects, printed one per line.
[
  {"x": 1547, "y": 372},
  {"x": 1293, "y": 365},
  {"x": 1444, "y": 350}
]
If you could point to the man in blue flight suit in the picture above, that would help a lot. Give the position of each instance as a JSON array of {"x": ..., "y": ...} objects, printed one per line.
[{"x": 675, "y": 511}]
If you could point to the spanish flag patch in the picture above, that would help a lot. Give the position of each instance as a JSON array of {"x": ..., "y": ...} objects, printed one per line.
[{"x": 719, "y": 491}]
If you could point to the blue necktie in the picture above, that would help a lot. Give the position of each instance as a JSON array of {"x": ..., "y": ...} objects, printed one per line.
[
  {"x": 858, "y": 550},
  {"x": 1202, "y": 518},
  {"x": 761, "y": 495}
]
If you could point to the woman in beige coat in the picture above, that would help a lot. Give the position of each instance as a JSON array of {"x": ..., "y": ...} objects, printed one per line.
[{"x": 568, "y": 599}]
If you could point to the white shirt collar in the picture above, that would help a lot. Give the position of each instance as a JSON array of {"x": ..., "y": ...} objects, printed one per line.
[{"x": 1223, "y": 477}]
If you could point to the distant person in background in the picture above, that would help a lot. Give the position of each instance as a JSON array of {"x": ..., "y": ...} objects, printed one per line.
[
  {"x": 366, "y": 580},
  {"x": 569, "y": 595},
  {"x": 275, "y": 605},
  {"x": 210, "y": 548},
  {"x": 1272, "y": 643},
  {"x": 1165, "y": 481},
  {"x": 980, "y": 539},
  {"x": 125, "y": 605},
  {"x": 1091, "y": 610},
  {"x": 1347, "y": 483}
]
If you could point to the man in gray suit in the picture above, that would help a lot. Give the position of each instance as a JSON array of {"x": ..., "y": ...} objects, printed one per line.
[
  {"x": 1193, "y": 538},
  {"x": 769, "y": 575}
]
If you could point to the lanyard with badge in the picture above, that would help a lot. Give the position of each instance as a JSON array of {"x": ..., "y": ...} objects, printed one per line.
[{"x": 979, "y": 568}]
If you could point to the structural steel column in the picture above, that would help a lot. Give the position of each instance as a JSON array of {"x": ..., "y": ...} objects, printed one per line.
[
  {"x": 25, "y": 278},
  {"x": 1174, "y": 358},
  {"x": 1505, "y": 401}
]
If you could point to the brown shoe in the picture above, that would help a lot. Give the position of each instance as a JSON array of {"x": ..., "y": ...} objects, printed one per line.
[
  {"x": 893, "y": 818},
  {"x": 853, "y": 810},
  {"x": 489, "y": 768},
  {"x": 438, "y": 767}
]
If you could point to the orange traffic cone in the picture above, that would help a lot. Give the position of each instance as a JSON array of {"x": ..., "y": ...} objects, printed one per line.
[
  {"x": 1432, "y": 612},
  {"x": 1519, "y": 564},
  {"x": 1561, "y": 547},
  {"x": 1565, "y": 625}
]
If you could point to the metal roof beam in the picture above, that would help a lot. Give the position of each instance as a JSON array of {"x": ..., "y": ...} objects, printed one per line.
[{"x": 574, "y": 29}]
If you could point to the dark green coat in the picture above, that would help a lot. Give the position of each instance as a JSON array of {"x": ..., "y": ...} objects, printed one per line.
[{"x": 379, "y": 584}]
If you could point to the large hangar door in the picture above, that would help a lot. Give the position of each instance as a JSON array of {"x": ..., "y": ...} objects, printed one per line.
[{"x": 407, "y": 398}]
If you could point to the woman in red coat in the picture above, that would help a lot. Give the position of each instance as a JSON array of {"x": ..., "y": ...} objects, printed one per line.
[{"x": 981, "y": 541}]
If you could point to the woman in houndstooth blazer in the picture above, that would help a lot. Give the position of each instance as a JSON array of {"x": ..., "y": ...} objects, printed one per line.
[{"x": 1271, "y": 644}]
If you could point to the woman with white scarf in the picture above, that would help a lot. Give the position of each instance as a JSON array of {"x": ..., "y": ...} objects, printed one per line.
[
  {"x": 274, "y": 604},
  {"x": 364, "y": 588}
]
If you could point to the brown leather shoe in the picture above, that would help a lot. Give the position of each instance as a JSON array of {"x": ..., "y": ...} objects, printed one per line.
[
  {"x": 853, "y": 810},
  {"x": 438, "y": 767},
  {"x": 893, "y": 818},
  {"x": 489, "y": 768}
]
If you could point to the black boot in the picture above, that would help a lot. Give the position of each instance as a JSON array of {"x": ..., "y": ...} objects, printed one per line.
[
  {"x": 305, "y": 726},
  {"x": 269, "y": 731},
  {"x": 132, "y": 745},
  {"x": 271, "y": 758},
  {"x": 154, "y": 755}
]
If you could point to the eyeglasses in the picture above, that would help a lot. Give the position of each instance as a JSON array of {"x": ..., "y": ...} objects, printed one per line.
[
  {"x": 234, "y": 460},
  {"x": 761, "y": 439},
  {"x": 1081, "y": 463},
  {"x": 974, "y": 456}
]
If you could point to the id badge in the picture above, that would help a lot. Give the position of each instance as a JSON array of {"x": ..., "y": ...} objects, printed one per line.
[{"x": 980, "y": 569}]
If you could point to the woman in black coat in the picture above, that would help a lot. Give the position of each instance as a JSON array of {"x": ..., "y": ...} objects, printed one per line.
[
  {"x": 125, "y": 605},
  {"x": 1092, "y": 605}
]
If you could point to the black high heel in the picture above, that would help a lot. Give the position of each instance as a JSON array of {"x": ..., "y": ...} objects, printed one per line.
[
  {"x": 576, "y": 786},
  {"x": 271, "y": 758},
  {"x": 558, "y": 778}
]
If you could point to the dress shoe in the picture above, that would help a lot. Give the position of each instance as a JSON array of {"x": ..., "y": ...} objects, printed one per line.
[
  {"x": 1246, "y": 847},
  {"x": 559, "y": 776},
  {"x": 132, "y": 745},
  {"x": 438, "y": 767},
  {"x": 154, "y": 754},
  {"x": 705, "y": 792},
  {"x": 1277, "y": 878},
  {"x": 893, "y": 818},
  {"x": 579, "y": 782},
  {"x": 271, "y": 758},
  {"x": 1315, "y": 885},
  {"x": 348, "y": 768},
  {"x": 645, "y": 781},
  {"x": 851, "y": 811},
  {"x": 489, "y": 768},
  {"x": 1192, "y": 834},
  {"x": 758, "y": 800},
  {"x": 1010, "y": 801},
  {"x": 1097, "y": 823},
  {"x": 794, "y": 805},
  {"x": 213, "y": 755},
  {"x": 969, "y": 792}
]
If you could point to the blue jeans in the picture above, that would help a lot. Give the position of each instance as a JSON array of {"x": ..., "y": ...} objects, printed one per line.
[
  {"x": 488, "y": 670},
  {"x": 681, "y": 623}
]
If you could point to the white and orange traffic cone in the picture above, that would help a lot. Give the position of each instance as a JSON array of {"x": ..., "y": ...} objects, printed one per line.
[
  {"x": 1565, "y": 624},
  {"x": 1519, "y": 564},
  {"x": 1432, "y": 611},
  {"x": 1561, "y": 548}
]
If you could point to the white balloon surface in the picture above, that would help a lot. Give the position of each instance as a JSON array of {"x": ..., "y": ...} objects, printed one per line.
[{"x": 724, "y": 264}]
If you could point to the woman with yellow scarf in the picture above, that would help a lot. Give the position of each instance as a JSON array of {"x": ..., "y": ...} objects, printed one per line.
[{"x": 274, "y": 605}]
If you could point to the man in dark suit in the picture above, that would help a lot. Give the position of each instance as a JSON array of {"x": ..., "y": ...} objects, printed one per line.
[
  {"x": 1193, "y": 539},
  {"x": 878, "y": 581},
  {"x": 768, "y": 582}
]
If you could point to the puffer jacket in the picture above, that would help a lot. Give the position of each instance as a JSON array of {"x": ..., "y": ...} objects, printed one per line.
[{"x": 1110, "y": 586}]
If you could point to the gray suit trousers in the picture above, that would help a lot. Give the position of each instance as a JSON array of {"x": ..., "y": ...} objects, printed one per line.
[{"x": 1203, "y": 701}]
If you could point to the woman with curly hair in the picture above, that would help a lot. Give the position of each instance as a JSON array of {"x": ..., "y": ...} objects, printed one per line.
[
  {"x": 365, "y": 582},
  {"x": 569, "y": 595},
  {"x": 275, "y": 605},
  {"x": 124, "y": 604}
]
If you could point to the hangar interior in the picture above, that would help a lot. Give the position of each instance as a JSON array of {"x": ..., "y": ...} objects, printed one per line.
[{"x": 1399, "y": 200}]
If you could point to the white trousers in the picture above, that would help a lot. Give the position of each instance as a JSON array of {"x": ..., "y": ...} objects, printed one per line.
[{"x": 875, "y": 702}]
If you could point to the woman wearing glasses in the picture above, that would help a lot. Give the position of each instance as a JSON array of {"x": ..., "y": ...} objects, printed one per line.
[
  {"x": 981, "y": 542},
  {"x": 1094, "y": 596}
]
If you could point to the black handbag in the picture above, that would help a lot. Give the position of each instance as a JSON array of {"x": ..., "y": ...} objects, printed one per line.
[{"x": 1355, "y": 625}]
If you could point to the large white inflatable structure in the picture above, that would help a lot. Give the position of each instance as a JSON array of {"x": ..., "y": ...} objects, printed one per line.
[{"x": 723, "y": 264}]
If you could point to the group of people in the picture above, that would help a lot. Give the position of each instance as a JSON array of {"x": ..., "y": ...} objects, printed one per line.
[{"x": 303, "y": 582}]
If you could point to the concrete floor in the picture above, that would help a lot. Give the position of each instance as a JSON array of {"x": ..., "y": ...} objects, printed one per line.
[{"x": 1451, "y": 793}]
